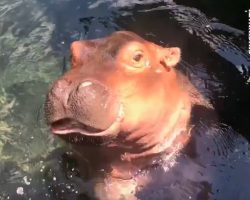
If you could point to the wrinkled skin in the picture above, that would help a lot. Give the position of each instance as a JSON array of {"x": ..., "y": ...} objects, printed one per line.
[{"x": 124, "y": 102}]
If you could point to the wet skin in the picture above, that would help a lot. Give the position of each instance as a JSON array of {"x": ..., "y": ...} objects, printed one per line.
[{"x": 124, "y": 102}]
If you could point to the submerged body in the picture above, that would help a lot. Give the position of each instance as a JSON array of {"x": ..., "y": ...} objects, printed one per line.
[{"x": 124, "y": 102}]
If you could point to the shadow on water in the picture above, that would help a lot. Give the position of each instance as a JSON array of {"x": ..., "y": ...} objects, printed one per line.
[
  {"x": 233, "y": 12},
  {"x": 215, "y": 164}
]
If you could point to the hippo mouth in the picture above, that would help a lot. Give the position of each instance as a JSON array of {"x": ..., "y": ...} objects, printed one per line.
[{"x": 67, "y": 126}]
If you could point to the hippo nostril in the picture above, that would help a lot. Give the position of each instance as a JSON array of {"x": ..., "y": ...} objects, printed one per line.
[
  {"x": 91, "y": 90},
  {"x": 85, "y": 84}
]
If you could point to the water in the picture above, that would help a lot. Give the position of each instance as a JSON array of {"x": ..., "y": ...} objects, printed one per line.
[{"x": 34, "y": 40}]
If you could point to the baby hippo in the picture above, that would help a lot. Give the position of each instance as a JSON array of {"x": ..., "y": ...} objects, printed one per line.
[{"x": 122, "y": 104}]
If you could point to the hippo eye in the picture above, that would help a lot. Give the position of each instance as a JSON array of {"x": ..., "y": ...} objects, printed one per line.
[
  {"x": 138, "y": 56},
  {"x": 138, "y": 60},
  {"x": 134, "y": 56}
]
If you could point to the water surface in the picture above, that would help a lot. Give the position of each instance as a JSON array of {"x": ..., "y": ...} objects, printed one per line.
[{"x": 34, "y": 41}]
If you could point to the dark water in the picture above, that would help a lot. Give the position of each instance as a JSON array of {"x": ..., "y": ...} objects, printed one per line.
[{"x": 34, "y": 40}]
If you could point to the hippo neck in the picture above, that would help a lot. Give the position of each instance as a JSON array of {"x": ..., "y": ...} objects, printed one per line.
[
  {"x": 168, "y": 135},
  {"x": 176, "y": 136},
  {"x": 175, "y": 133}
]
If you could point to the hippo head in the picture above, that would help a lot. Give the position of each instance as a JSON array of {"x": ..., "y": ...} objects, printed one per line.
[{"x": 121, "y": 87}]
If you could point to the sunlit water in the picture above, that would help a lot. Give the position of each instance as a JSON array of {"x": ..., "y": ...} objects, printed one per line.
[{"x": 34, "y": 42}]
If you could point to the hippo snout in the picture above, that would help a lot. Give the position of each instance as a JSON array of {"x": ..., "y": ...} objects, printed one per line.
[{"x": 87, "y": 107}]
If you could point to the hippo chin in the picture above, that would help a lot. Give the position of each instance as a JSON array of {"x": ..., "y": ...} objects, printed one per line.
[{"x": 126, "y": 90}]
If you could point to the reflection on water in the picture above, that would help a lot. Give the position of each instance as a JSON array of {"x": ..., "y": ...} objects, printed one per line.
[
  {"x": 210, "y": 31},
  {"x": 34, "y": 39}
]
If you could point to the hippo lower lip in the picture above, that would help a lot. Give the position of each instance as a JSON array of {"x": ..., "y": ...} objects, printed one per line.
[{"x": 67, "y": 126}]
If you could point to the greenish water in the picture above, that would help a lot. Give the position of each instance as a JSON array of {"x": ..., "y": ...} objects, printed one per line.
[
  {"x": 34, "y": 40},
  {"x": 27, "y": 65}
]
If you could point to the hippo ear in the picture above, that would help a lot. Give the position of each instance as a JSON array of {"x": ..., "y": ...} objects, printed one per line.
[
  {"x": 171, "y": 56},
  {"x": 79, "y": 50}
]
